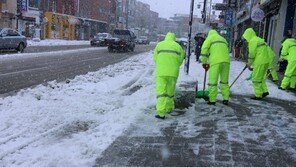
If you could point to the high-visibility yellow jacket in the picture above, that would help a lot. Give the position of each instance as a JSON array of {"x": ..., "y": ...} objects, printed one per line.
[
  {"x": 214, "y": 49},
  {"x": 289, "y": 49},
  {"x": 258, "y": 53},
  {"x": 168, "y": 56}
]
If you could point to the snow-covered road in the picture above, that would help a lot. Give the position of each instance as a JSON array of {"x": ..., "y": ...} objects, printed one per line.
[{"x": 71, "y": 124}]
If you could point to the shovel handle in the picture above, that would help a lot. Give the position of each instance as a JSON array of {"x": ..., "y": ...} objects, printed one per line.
[
  {"x": 238, "y": 76},
  {"x": 205, "y": 80}
]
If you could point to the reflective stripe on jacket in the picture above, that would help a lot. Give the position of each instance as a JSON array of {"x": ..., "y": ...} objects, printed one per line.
[
  {"x": 289, "y": 49},
  {"x": 168, "y": 56},
  {"x": 214, "y": 49},
  {"x": 258, "y": 53}
]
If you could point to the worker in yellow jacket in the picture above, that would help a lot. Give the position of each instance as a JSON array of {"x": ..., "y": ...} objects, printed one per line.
[
  {"x": 258, "y": 60},
  {"x": 168, "y": 56},
  {"x": 289, "y": 53},
  {"x": 215, "y": 57}
]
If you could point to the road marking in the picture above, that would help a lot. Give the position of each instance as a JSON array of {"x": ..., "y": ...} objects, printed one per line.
[{"x": 23, "y": 71}]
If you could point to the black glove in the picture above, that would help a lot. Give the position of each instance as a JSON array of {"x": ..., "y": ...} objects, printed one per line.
[
  {"x": 206, "y": 66},
  {"x": 249, "y": 67}
]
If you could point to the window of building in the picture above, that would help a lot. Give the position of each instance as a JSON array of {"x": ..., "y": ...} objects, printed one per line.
[{"x": 34, "y": 4}]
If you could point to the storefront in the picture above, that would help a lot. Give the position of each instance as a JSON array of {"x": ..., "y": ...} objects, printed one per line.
[
  {"x": 60, "y": 26},
  {"x": 27, "y": 26},
  {"x": 87, "y": 28},
  {"x": 290, "y": 18},
  {"x": 278, "y": 21},
  {"x": 243, "y": 21}
]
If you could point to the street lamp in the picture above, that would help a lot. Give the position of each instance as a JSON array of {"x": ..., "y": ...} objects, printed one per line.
[{"x": 204, "y": 13}]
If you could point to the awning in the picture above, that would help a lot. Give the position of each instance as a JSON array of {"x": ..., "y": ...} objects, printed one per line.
[{"x": 28, "y": 18}]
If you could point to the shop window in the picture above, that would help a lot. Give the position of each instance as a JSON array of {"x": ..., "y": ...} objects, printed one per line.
[{"x": 34, "y": 4}]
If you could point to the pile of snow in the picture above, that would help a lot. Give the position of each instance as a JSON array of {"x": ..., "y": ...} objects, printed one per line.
[
  {"x": 53, "y": 53},
  {"x": 56, "y": 42},
  {"x": 71, "y": 124}
]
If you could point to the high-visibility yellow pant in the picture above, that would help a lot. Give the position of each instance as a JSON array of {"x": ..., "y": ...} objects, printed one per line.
[
  {"x": 219, "y": 70},
  {"x": 259, "y": 79},
  {"x": 293, "y": 82},
  {"x": 165, "y": 91},
  {"x": 272, "y": 71},
  {"x": 290, "y": 74},
  {"x": 273, "y": 74}
]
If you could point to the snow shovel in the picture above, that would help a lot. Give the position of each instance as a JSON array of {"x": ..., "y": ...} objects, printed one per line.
[
  {"x": 203, "y": 94},
  {"x": 238, "y": 76},
  {"x": 250, "y": 77}
]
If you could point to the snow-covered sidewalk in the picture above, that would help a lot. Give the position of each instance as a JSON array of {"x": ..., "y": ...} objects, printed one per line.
[
  {"x": 71, "y": 124},
  {"x": 57, "y": 42}
]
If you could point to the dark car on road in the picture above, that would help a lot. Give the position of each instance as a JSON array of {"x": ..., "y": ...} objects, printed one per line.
[
  {"x": 11, "y": 39},
  {"x": 100, "y": 39},
  {"x": 123, "y": 40}
]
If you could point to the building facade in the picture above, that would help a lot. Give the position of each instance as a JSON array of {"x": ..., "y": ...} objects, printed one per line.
[
  {"x": 182, "y": 21},
  {"x": 278, "y": 23},
  {"x": 8, "y": 13},
  {"x": 29, "y": 21},
  {"x": 95, "y": 16}
]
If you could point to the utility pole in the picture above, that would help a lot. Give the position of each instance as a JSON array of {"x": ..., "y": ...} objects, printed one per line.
[
  {"x": 127, "y": 13},
  {"x": 187, "y": 58},
  {"x": 209, "y": 16},
  {"x": 204, "y": 13}
]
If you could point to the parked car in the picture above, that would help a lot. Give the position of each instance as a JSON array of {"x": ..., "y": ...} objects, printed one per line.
[
  {"x": 100, "y": 39},
  {"x": 123, "y": 40},
  {"x": 11, "y": 39},
  {"x": 182, "y": 41},
  {"x": 143, "y": 40}
]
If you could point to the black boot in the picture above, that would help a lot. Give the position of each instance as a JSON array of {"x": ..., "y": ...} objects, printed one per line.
[
  {"x": 256, "y": 98},
  {"x": 211, "y": 103},
  {"x": 159, "y": 117},
  {"x": 225, "y": 102},
  {"x": 265, "y": 94}
]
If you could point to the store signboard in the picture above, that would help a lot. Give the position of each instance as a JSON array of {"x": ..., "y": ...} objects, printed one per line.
[
  {"x": 220, "y": 6},
  {"x": 244, "y": 13},
  {"x": 228, "y": 18},
  {"x": 23, "y": 5},
  {"x": 257, "y": 14}
]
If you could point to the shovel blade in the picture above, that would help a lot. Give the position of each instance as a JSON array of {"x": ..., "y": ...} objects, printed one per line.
[{"x": 202, "y": 94}]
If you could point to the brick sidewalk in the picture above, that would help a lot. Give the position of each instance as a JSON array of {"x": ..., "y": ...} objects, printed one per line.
[{"x": 246, "y": 133}]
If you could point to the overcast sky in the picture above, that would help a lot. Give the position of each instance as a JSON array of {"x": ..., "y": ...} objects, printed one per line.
[{"x": 167, "y": 8}]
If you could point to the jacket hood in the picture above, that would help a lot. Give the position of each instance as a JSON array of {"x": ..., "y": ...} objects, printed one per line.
[
  {"x": 212, "y": 32},
  {"x": 249, "y": 34},
  {"x": 170, "y": 36}
]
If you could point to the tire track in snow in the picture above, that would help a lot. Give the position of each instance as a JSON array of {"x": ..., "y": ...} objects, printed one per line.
[
  {"x": 30, "y": 141},
  {"x": 135, "y": 84},
  {"x": 24, "y": 143}
]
